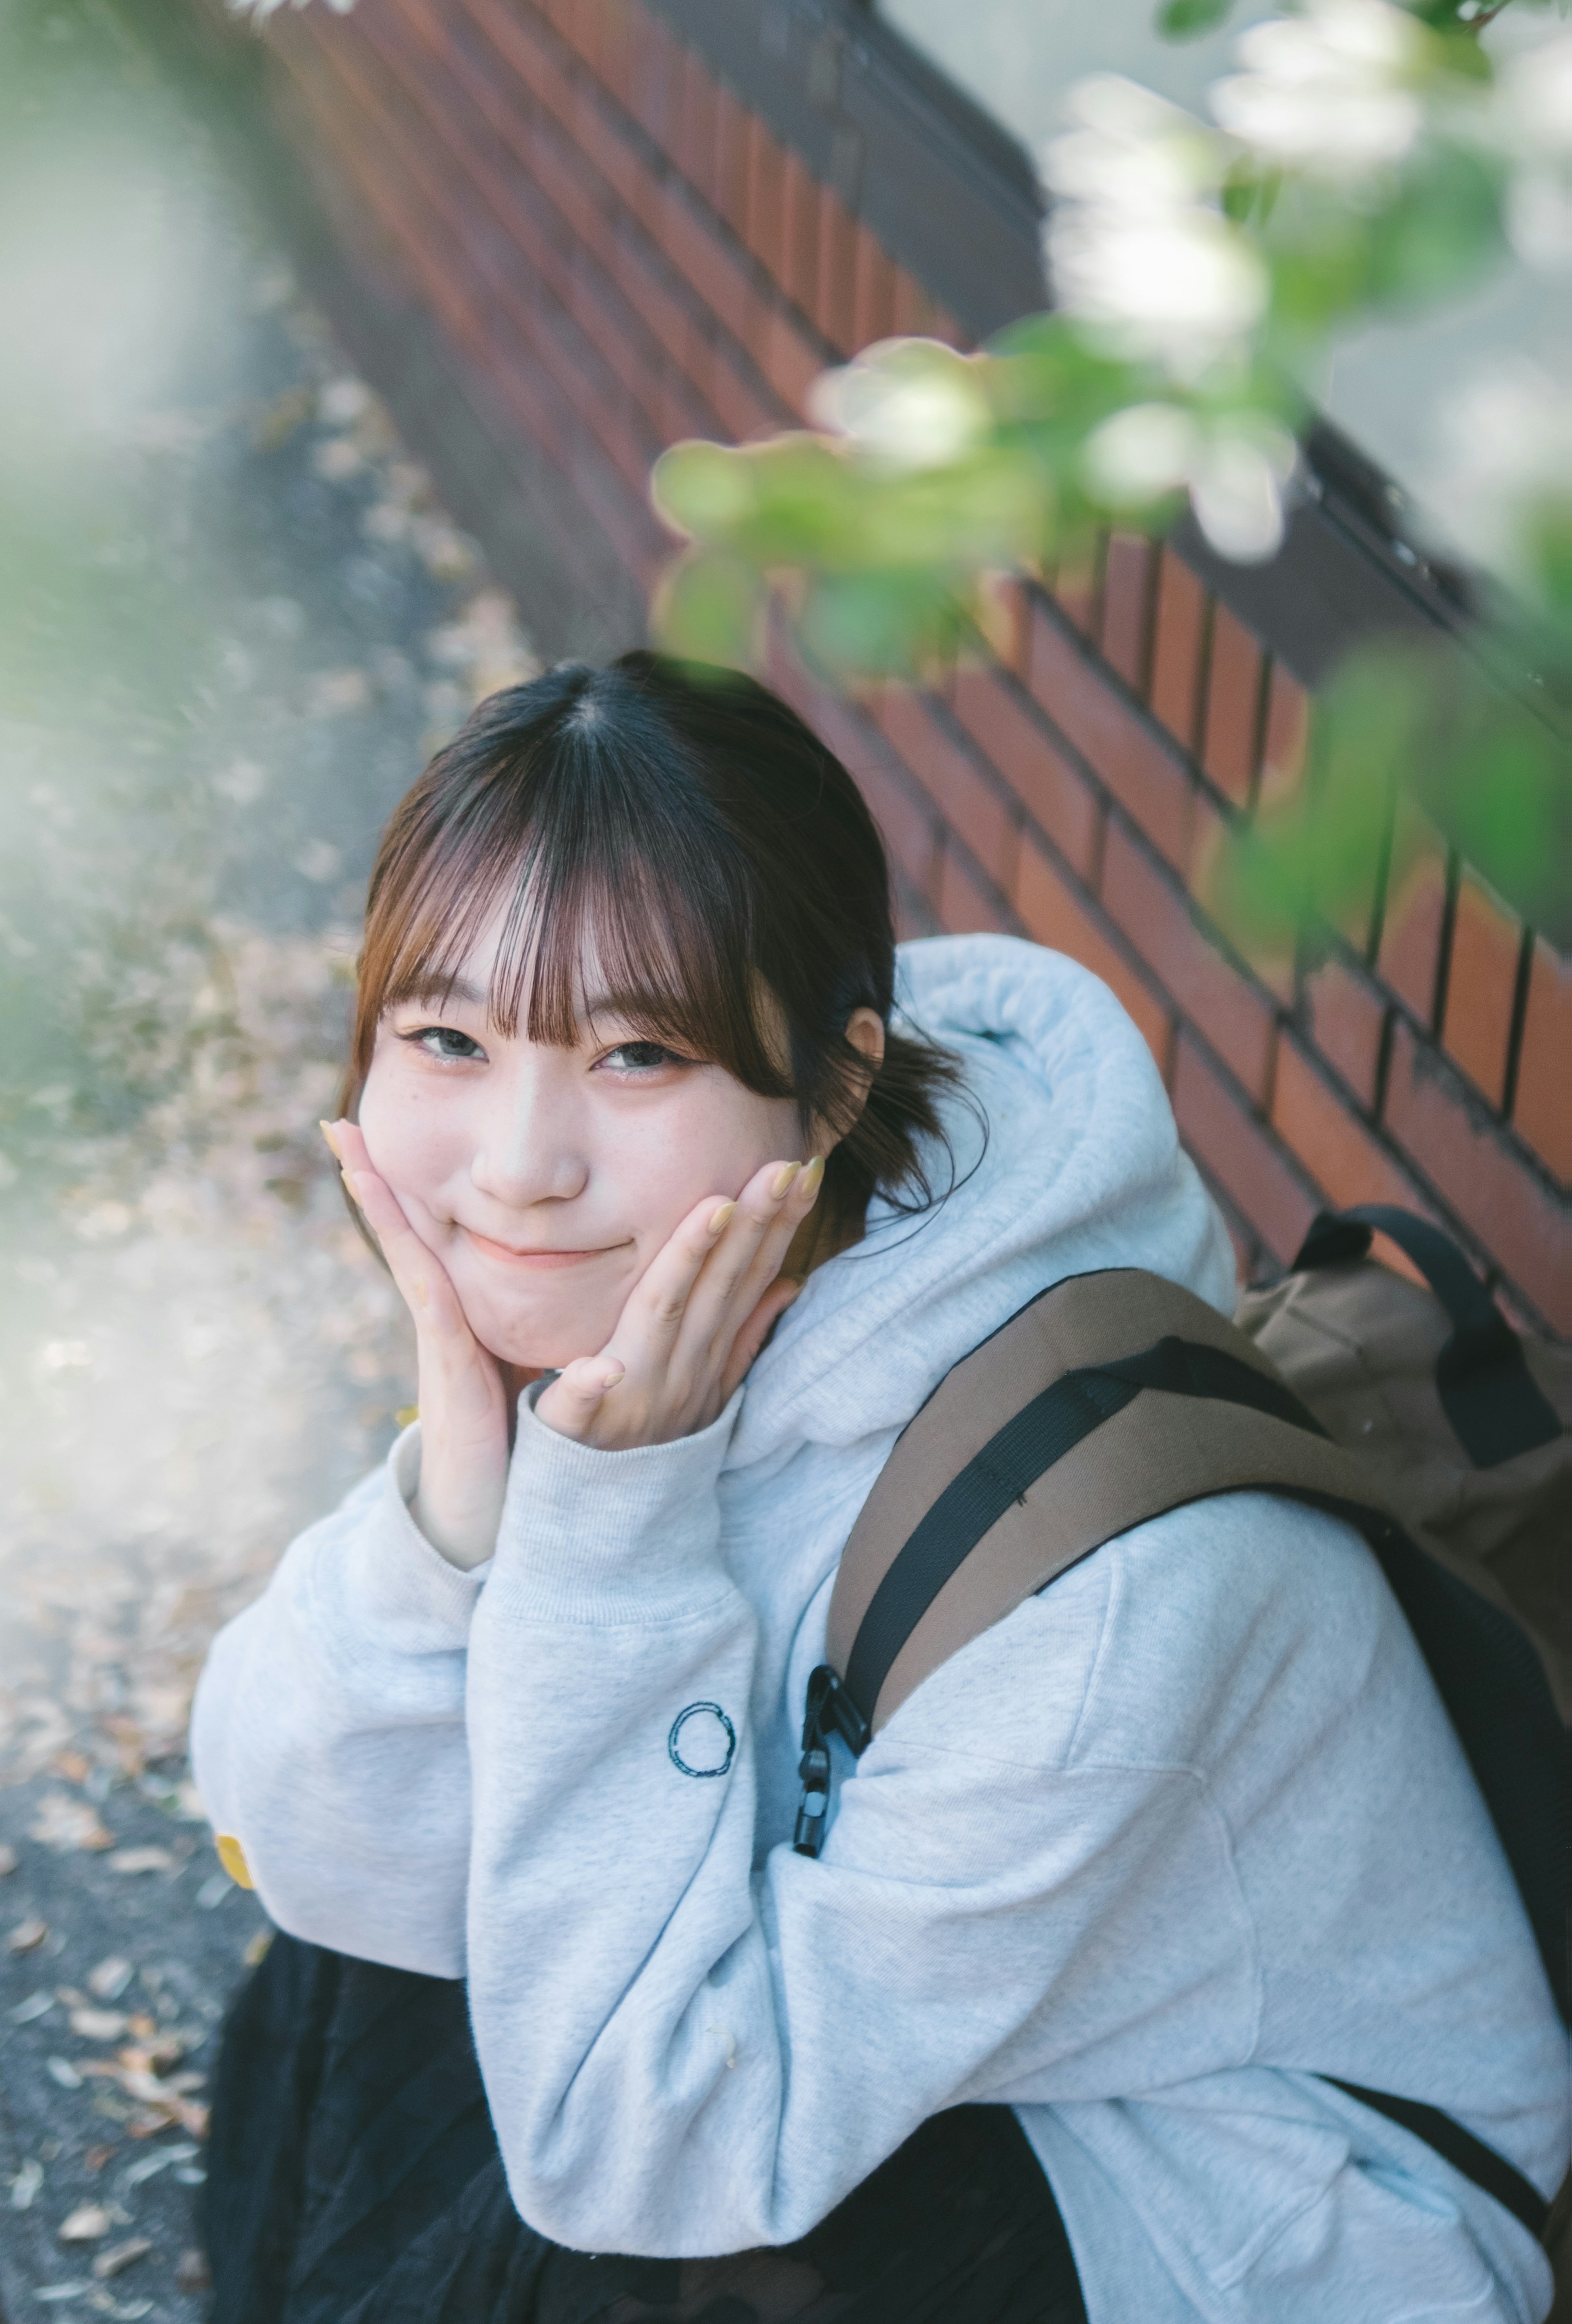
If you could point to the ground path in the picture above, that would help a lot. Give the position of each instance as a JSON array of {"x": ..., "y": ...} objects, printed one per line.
[{"x": 232, "y": 622}]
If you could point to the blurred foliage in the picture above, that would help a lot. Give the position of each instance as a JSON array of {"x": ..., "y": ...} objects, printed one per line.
[{"x": 1364, "y": 163}]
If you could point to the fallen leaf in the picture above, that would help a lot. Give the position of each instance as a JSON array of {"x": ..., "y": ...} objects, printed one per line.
[
  {"x": 98, "y": 2025},
  {"x": 61, "y": 2071},
  {"x": 85, "y": 2224},
  {"x": 26, "y": 2184},
  {"x": 109, "y": 1981},
  {"x": 192, "y": 2273},
  {"x": 26, "y": 1936},
  {"x": 256, "y": 1951},
  {"x": 8, "y": 1859},
  {"x": 144, "y": 2027},
  {"x": 73, "y": 1767},
  {"x": 62, "y": 1822},
  {"x": 121, "y": 2256},
  {"x": 37, "y": 2005},
  {"x": 96, "y": 2157},
  {"x": 142, "y": 1859}
]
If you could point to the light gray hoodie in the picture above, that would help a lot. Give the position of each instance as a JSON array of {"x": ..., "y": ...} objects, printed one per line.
[{"x": 1178, "y": 1835}]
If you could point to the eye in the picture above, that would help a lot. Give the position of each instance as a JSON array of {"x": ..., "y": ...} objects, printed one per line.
[
  {"x": 641, "y": 1058},
  {"x": 444, "y": 1041}
]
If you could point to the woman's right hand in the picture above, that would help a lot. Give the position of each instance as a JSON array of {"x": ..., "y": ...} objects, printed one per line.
[{"x": 464, "y": 1398}]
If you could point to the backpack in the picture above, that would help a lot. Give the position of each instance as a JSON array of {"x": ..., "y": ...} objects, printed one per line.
[{"x": 1416, "y": 1413}]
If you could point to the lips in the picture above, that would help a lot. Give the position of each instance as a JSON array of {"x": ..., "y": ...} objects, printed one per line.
[{"x": 536, "y": 1258}]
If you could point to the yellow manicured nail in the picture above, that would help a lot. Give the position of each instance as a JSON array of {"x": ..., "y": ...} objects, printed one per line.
[
  {"x": 232, "y": 1856},
  {"x": 719, "y": 1216},
  {"x": 329, "y": 1131},
  {"x": 780, "y": 1185},
  {"x": 812, "y": 1177}
]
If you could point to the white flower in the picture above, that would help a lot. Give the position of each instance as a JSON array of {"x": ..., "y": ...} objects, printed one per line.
[
  {"x": 260, "y": 10},
  {"x": 1135, "y": 243},
  {"x": 1235, "y": 466},
  {"x": 1183, "y": 286},
  {"x": 1334, "y": 92},
  {"x": 908, "y": 404},
  {"x": 1236, "y": 491}
]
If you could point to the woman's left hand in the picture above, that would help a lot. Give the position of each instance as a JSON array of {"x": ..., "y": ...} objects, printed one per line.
[{"x": 693, "y": 1322}]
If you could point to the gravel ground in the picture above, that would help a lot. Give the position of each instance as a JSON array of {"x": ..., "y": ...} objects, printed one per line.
[{"x": 234, "y": 621}]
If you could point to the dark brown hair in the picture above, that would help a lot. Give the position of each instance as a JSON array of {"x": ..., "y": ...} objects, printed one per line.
[{"x": 680, "y": 833}]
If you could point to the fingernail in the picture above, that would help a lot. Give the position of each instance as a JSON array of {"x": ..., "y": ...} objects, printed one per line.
[
  {"x": 719, "y": 1216},
  {"x": 330, "y": 1131},
  {"x": 780, "y": 1184},
  {"x": 812, "y": 1178},
  {"x": 611, "y": 1373}
]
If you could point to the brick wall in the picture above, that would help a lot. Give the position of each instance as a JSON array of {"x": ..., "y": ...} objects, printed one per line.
[{"x": 625, "y": 253}]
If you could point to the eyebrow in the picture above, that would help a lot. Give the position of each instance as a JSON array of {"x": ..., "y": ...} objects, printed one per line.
[{"x": 437, "y": 991}]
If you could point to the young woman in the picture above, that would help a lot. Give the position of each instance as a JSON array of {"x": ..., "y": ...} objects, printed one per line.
[{"x": 695, "y": 1198}]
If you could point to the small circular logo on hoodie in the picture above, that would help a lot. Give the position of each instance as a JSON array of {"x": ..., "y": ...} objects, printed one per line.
[{"x": 703, "y": 1741}]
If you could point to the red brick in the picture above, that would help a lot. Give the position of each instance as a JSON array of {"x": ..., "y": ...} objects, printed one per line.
[
  {"x": 1055, "y": 913},
  {"x": 656, "y": 86},
  {"x": 700, "y": 256},
  {"x": 1345, "y": 1160},
  {"x": 1144, "y": 777},
  {"x": 1127, "y": 613},
  {"x": 835, "y": 303},
  {"x": 873, "y": 292},
  {"x": 1286, "y": 736},
  {"x": 1079, "y": 588},
  {"x": 965, "y": 908},
  {"x": 788, "y": 358},
  {"x": 964, "y": 798},
  {"x": 1542, "y": 1107},
  {"x": 735, "y": 394},
  {"x": 1481, "y": 987},
  {"x": 800, "y": 205},
  {"x": 1178, "y": 648},
  {"x": 911, "y": 830},
  {"x": 696, "y": 146},
  {"x": 1416, "y": 898},
  {"x": 1345, "y": 1017},
  {"x": 911, "y": 310},
  {"x": 1521, "y": 1225},
  {"x": 1240, "y": 1153},
  {"x": 1149, "y": 906},
  {"x": 1233, "y": 707},
  {"x": 1050, "y": 789},
  {"x": 765, "y": 235},
  {"x": 730, "y": 177}
]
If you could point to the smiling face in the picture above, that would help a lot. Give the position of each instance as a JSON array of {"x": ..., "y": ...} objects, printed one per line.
[{"x": 544, "y": 1178}]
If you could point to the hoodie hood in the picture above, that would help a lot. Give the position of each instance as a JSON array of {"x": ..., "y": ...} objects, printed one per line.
[{"x": 1066, "y": 1160}]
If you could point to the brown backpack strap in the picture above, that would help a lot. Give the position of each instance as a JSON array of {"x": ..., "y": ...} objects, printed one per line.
[{"x": 1109, "y": 1399}]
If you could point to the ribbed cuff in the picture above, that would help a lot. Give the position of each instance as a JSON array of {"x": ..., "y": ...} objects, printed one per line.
[
  {"x": 395, "y": 1574},
  {"x": 589, "y": 1536}
]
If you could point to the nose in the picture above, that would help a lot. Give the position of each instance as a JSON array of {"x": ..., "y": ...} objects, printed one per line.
[{"x": 528, "y": 1149}]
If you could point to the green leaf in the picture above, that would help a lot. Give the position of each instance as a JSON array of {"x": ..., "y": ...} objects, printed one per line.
[
  {"x": 709, "y": 608},
  {"x": 1188, "y": 20}
]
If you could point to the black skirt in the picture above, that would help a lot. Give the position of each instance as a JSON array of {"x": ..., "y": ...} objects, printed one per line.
[{"x": 353, "y": 2178}]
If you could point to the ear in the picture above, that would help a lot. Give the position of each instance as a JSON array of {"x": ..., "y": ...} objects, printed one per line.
[{"x": 865, "y": 1031}]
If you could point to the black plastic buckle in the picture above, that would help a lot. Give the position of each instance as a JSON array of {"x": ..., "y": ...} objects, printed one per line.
[{"x": 830, "y": 1710}]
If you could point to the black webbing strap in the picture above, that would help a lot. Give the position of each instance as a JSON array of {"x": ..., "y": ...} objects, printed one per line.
[
  {"x": 1488, "y": 2170},
  {"x": 1024, "y": 1450},
  {"x": 1488, "y": 1394}
]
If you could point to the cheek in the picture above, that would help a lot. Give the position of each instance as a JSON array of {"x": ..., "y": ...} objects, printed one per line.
[
  {"x": 412, "y": 1141},
  {"x": 713, "y": 1144}
]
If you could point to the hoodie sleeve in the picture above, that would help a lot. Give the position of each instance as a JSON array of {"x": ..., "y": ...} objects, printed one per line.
[
  {"x": 327, "y": 1734},
  {"x": 688, "y": 2052}
]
